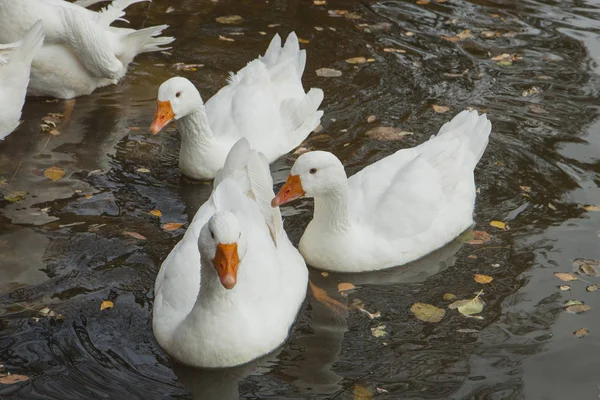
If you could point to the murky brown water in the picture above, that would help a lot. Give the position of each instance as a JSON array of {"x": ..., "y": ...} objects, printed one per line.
[{"x": 64, "y": 249}]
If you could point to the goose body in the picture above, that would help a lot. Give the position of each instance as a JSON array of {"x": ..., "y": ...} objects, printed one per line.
[
  {"x": 15, "y": 65},
  {"x": 264, "y": 102},
  {"x": 81, "y": 51},
  {"x": 396, "y": 210},
  {"x": 231, "y": 288}
]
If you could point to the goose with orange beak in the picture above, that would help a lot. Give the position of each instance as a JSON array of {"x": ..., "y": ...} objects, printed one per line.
[
  {"x": 234, "y": 275},
  {"x": 395, "y": 210},
  {"x": 264, "y": 102}
]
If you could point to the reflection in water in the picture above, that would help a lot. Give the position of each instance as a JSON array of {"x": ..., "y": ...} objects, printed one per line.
[{"x": 65, "y": 245}]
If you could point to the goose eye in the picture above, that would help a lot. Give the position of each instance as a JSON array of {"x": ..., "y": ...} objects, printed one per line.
[
  {"x": 313, "y": 171},
  {"x": 177, "y": 94}
]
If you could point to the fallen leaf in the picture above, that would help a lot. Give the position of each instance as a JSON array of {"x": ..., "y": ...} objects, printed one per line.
[
  {"x": 305, "y": 41},
  {"x": 592, "y": 288},
  {"x": 14, "y": 196},
  {"x": 11, "y": 379},
  {"x": 337, "y": 13},
  {"x": 473, "y": 256},
  {"x": 530, "y": 92},
  {"x": 581, "y": 332},
  {"x": 526, "y": 189},
  {"x": 134, "y": 235},
  {"x": 572, "y": 303},
  {"x": 427, "y": 312},
  {"x": 578, "y": 308},
  {"x": 319, "y": 2},
  {"x": 499, "y": 224},
  {"x": 359, "y": 305},
  {"x": 468, "y": 307},
  {"x": 422, "y": 2},
  {"x": 537, "y": 109},
  {"x": 230, "y": 19},
  {"x": 53, "y": 118},
  {"x": 381, "y": 390},
  {"x": 565, "y": 276},
  {"x": 301, "y": 150},
  {"x": 564, "y": 287},
  {"x": 186, "y": 67},
  {"x": 592, "y": 208},
  {"x": 171, "y": 226},
  {"x": 328, "y": 72},
  {"x": 156, "y": 213},
  {"x": 449, "y": 297},
  {"x": 318, "y": 28},
  {"x": 44, "y": 311},
  {"x": 106, "y": 304},
  {"x": 483, "y": 278},
  {"x": 54, "y": 132},
  {"x": 344, "y": 286},
  {"x": 263, "y": 33},
  {"x": 134, "y": 128},
  {"x": 393, "y": 50},
  {"x": 450, "y": 75},
  {"x": 378, "y": 331},
  {"x": 169, "y": 10},
  {"x": 325, "y": 273},
  {"x": 440, "y": 109},
  {"x": 352, "y": 15},
  {"x": 54, "y": 173},
  {"x": 479, "y": 237},
  {"x": 371, "y": 118},
  {"x": 321, "y": 296},
  {"x": 387, "y": 133},
  {"x": 466, "y": 34},
  {"x": 467, "y": 330},
  {"x": 361, "y": 393},
  {"x": 226, "y": 39},
  {"x": 356, "y": 60},
  {"x": 143, "y": 170},
  {"x": 273, "y": 25},
  {"x": 586, "y": 266}
]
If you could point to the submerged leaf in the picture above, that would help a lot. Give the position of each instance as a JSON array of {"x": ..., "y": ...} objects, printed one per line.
[
  {"x": 479, "y": 237},
  {"x": 592, "y": 208},
  {"x": 361, "y": 393},
  {"x": 427, "y": 312},
  {"x": 586, "y": 266}
]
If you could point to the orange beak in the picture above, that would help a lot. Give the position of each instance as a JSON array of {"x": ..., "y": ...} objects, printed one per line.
[
  {"x": 291, "y": 190},
  {"x": 164, "y": 115},
  {"x": 226, "y": 263}
]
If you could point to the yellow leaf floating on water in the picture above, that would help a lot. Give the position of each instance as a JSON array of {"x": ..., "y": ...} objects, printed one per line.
[
  {"x": 171, "y": 226},
  {"x": 427, "y": 312},
  {"x": 11, "y": 379},
  {"x": 361, "y": 393},
  {"x": 14, "y": 196},
  {"x": 468, "y": 307},
  {"x": 483, "y": 278},
  {"x": 106, "y": 304},
  {"x": 449, "y": 297},
  {"x": 565, "y": 276},
  {"x": 305, "y": 41},
  {"x": 440, "y": 109},
  {"x": 54, "y": 173},
  {"x": 344, "y": 286},
  {"x": 156, "y": 213},
  {"x": 581, "y": 332},
  {"x": 230, "y": 19},
  {"x": 356, "y": 60},
  {"x": 592, "y": 208},
  {"x": 499, "y": 224}
]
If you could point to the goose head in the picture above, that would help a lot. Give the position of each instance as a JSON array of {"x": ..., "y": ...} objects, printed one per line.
[
  {"x": 314, "y": 174},
  {"x": 177, "y": 97},
  {"x": 222, "y": 247}
]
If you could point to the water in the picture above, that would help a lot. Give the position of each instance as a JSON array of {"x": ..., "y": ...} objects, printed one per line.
[{"x": 63, "y": 245}]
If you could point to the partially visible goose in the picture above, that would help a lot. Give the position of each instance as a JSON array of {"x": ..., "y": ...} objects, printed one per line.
[
  {"x": 264, "y": 102},
  {"x": 394, "y": 211},
  {"x": 231, "y": 288},
  {"x": 15, "y": 64},
  {"x": 82, "y": 51}
]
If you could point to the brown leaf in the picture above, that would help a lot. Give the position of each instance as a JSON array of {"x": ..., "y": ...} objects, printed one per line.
[
  {"x": 479, "y": 237},
  {"x": 578, "y": 308},
  {"x": 387, "y": 133},
  {"x": 361, "y": 393},
  {"x": 156, "y": 213},
  {"x": 592, "y": 208},
  {"x": 106, "y": 304},
  {"x": 321, "y": 296},
  {"x": 427, "y": 312},
  {"x": 581, "y": 332},
  {"x": 371, "y": 118},
  {"x": 12, "y": 379},
  {"x": 305, "y": 41},
  {"x": 565, "y": 276},
  {"x": 230, "y": 19},
  {"x": 135, "y": 235},
  {"x": 171, "y": 226},
  {"x": 483, "y": 278},
  {"x": 54, "y": 173},
  {"x": 440, "y": 109},
  {"x": 344, "y": 286},
  {"x": 325, "y": 273}
]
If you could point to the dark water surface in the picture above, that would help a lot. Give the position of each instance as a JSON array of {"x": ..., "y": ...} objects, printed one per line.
[{"x": 63, "y": 245}]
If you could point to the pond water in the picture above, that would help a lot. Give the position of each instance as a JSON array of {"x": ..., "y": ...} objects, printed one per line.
[{"x": 63, "y": 244}]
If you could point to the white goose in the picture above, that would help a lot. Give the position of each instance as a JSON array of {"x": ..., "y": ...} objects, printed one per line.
[
  {"x": 394, "y": 211},
  {"x": 15, "y": 64},
  {"x": 264, "y": 103},
  {"x": 231, "y": 288},
  {"x": 81, "y": 51}
]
